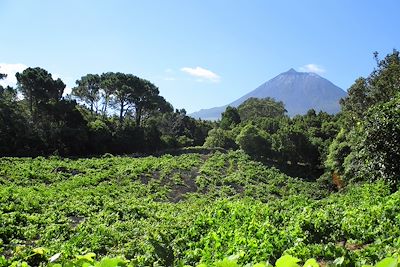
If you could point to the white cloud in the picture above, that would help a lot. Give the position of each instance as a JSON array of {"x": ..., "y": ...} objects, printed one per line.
[
  {"x": 312, "y": 68},
  {"x": 201, "y": 74},
  {"x": 11, "y": 70}
]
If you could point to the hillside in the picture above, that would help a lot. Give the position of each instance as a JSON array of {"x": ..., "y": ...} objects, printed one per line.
[
  {"x": 299, "y": 91},
  {"x": 174, "y": 210}
]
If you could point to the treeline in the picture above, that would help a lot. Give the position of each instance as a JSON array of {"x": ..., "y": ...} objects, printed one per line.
[
  {"x": 108, "y": 113},
  {"x": 120, "y": 113},
  {"x": 360, "y": 143}
]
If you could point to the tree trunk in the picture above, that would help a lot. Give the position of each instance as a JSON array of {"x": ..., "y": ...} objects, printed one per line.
[
  {"x": 121, "y": 112},
  {"x": 31, "y": 103},
  {"x": 138, "y": 116},
  {"x": 104, "y": 109}
]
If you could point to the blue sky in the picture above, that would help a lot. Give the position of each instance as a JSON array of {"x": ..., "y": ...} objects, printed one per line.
[{"x": 201, "y": 53}]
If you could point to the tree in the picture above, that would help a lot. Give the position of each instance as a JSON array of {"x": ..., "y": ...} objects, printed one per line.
[
  {"x": 380, "y": 86},
  {"x": 108, "y": 86},
  {"x": 59, "y": 125},
  {"x": 357, "y": 101},
  {"x": 218, "y": 137},
  {"x": 38, "y": 88},
  {"x": 266, "y": 107},
  {"x": 375, "y": 145},
  {"x": 64, "y": 129},
  {"x": 13, "y": 126},
  {"x": 293, "y": 144},
  {"x": 254, "y": 142},
  {"x": 176, "y": 127},
  {"x": 125, "y": 89},
  {"x": 384, "y": 80},
  {"x": 146, "y": 100},
  {"x": 100, "y": 136},
  {"x": 118, "y": 89},
  {"x": 230, "y": 118},
  {"x": 133, "y": 95},
  {"x": 365, "y": 148},
  {"x": 128, "y": 138},
  {"x": 88, "y": 90}
]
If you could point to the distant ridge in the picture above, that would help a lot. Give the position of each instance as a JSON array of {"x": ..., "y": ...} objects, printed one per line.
[{"x": 299, "y": 91}]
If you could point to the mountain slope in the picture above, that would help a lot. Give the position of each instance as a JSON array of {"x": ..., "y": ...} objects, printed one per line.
[{"x": 299, "y": 91}]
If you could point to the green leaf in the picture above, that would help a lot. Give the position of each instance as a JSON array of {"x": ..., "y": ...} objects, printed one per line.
[
  {"x": 87, "y": 257},
  {"x": 226, "y": 263},
  {"x": 387, "y": 262},
  {"x": 311, "y": 263},
  {"x": 201, "y": 265},
  {"x": 236, "y": 256},
  {"x": 40, "y": 250},
  {"x": 114, "y": 262},
  {"x": 3, "y": 261},
  {"x": 69, "y": 264},
  {"x": 287, "y": 261}
]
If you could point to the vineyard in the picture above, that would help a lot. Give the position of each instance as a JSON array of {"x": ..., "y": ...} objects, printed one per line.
[{"x": 187, "y": 210}]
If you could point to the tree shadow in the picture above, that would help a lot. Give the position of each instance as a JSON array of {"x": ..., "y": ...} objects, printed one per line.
[{"x": 306, "y": 172}]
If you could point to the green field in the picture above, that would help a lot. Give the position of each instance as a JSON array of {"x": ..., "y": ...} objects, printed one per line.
[{"x": 187, "y": 209}]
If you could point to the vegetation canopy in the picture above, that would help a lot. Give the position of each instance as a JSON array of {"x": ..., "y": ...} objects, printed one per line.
[{"x": 257, "y": 188}]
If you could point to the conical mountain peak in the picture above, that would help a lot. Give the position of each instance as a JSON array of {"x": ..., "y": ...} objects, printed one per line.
[{"x": 291, "y": 70}]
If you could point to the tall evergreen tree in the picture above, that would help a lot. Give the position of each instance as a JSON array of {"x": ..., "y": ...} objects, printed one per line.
[{"x": 38, "y": 88}]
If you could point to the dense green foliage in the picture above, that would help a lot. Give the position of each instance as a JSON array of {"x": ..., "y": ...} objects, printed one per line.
[
  {"x": 187, "y": 209},
  {"x": 89, "y": 260},
  {"x": 109, "y": 113},
  {"x": 259, "y": 184},
  {"x": 376, "y": 144},
  {"x": 229, "y": 118},
  {"x": 367, "y": 147},
  {"x": 298, "y": 146},
  {"x": 359, "y": 144},
  {"x": 265, "y": 107}
]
